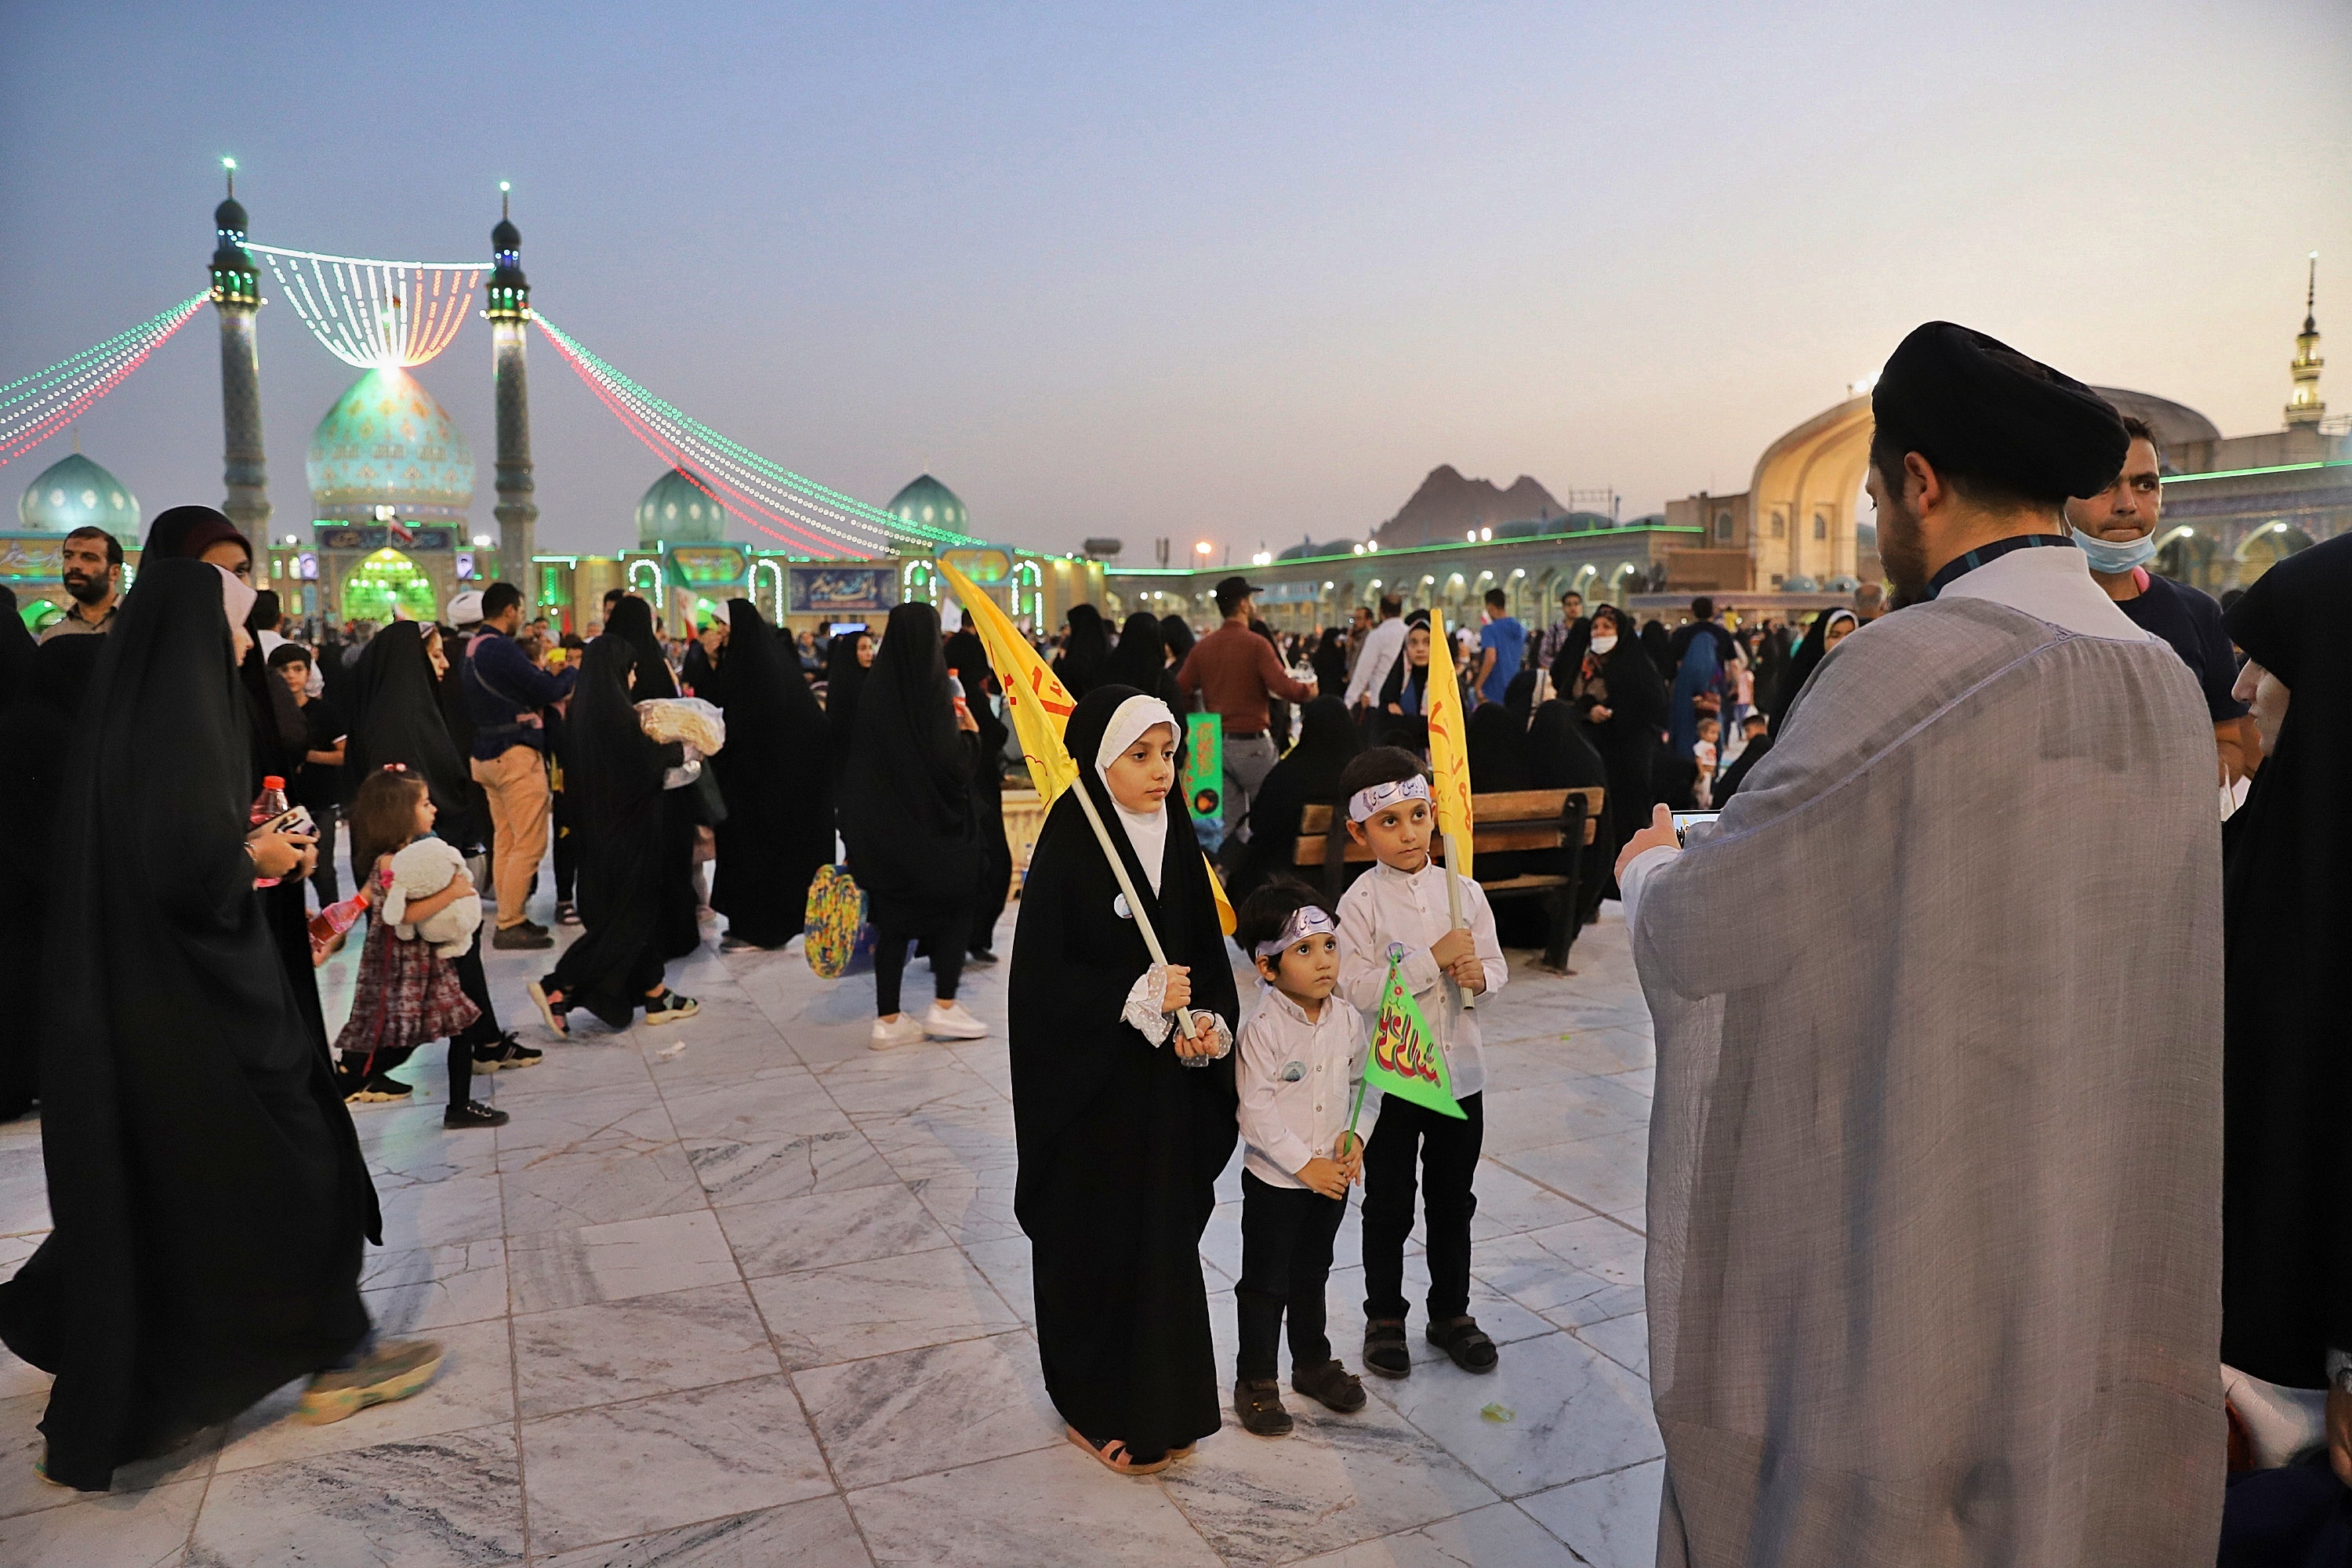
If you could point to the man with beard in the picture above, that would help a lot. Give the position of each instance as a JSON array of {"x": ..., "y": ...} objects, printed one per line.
[
  {"x": 1934, "y": 1201},
  {"x": 93, "y": 575}
]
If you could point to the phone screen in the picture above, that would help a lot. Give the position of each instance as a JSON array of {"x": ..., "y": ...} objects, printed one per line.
[{"x": 1685, "y": 820}]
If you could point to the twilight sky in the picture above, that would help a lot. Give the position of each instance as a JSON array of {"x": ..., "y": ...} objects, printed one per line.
[{"x": 1235, "y": 273}]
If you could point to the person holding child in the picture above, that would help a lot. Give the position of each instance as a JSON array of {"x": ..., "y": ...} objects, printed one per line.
[
  {"x": 1300, "y": 1079},
  {"x": 1122, "y": 1092},
  {"x": 1400, "y": 909},
  {"x": 407, "y": 991}
]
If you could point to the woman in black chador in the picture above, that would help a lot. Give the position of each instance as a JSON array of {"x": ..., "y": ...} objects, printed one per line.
[
  {"x": 210, "y": 1195},
  {"x": 776, "y": 774},
  {"x": 397, "y": 720},
  {"x": 616, "y": 966},
  {"x": 1309, "y": 775},
  {"x": 1120, "y": 1141},
  {"x": 968, "y": 661},
  {"x": 1620, "y": 697},
  {"x": 675, "y": 926}
]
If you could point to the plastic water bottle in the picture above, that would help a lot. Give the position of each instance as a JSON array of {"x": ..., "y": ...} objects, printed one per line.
[{"x": 268, "y": 806}]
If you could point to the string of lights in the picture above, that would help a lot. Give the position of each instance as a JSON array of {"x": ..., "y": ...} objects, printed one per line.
[
  {"x": 35, "y": 407},
  {"x": 375, "y": 314},
  {"x": 803, "y": 513}
]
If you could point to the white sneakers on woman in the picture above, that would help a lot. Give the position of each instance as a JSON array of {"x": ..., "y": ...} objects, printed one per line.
[{"x": 944, "y": 1020}]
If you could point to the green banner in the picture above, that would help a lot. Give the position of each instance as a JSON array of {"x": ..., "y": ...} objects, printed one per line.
[
  {"x": 1405, "y": 1059},
  {"x": 1204, "y": 769}
]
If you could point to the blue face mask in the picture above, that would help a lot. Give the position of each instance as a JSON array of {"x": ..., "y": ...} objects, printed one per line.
[{"x": 2116, "y": 557}]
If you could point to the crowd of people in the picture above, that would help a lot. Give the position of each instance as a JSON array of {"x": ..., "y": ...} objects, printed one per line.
[{"x": 2039, "y": 1118}]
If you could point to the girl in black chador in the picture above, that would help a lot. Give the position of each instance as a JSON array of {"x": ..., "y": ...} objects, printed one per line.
[{"x": 1122, "y": 1094}]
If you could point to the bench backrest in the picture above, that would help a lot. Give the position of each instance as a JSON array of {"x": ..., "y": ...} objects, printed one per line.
[{"x": 1505, "y": 820}]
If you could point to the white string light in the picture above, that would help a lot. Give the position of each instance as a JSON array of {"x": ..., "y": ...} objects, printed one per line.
[{"x": 375, "y": 314}]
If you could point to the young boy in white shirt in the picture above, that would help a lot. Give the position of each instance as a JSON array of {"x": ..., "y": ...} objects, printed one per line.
[
  {"x": 1401, "y": 904},
  {"x": 1300, "y": 1059}
]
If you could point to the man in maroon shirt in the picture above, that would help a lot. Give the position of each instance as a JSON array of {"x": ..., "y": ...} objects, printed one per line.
[{"x": 1237, "y": 675}]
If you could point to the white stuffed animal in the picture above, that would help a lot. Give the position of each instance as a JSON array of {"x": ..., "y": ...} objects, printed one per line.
[{"x": 419, "y": 871}]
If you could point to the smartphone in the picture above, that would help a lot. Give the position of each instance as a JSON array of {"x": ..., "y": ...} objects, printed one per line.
[{"x": 1687, "y": 820}]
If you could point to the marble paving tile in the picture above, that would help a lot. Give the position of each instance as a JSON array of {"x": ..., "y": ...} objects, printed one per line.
[
  {"x": 114, "y": 1530},
  {"x": 653, "y": 1464},
  {"x": 24, "y": 1190},
  {"x": 436, "y": 1213},
  {"x": 18, "y": 1378},
  {"x": 448, "y": 1501},
  {"x": 590, "y": 1060},
  {"x": 837, "y": 1159},
  {"x": 1576, "y": 1413},
  {"x": 895, "y": 1083},
  {"x": 1586, "y": 1271},
  {"x": 758, "y": 1054},
  {"x": 1509, "y": 1203},
  {"x": 624, "y": 1116},
  {"x": 975, "y": 1135},
  {"x": 613, "y": 1262},
  {"x": 475, "y": 1387},
  {"x": 432, "y": 1287},
  {"x": 1497, "y": 1534},
  {"x": 855, "y": 1311},
  {"x": 1611, "y": 1520},
  {"x": 818, "y": 1534},
  {"x": 1562, "y": 1111},
  {"x": 761, "y": 1110},
  {"x": 1610, "y": 1173},
  {"x": 1049, "y": 1508},
  {"x": 1335, "y": 1480},
  {"x": 1625, "y": 1341},
  {"x": 1009, "y": 1267},
  {"x": 924, "y": 1410},
  {"x": 972, "y": 1207},
  {"x": 560, "y": 1191},
  {"x": 654, "y": 1344},
  {"x": 406, "y": 1145},
  {"x": 991, "y": 1059},
  {"x": 824, "y": 1228}
]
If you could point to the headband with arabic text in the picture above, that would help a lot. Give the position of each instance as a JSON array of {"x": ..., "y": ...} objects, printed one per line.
[
  {"x": 1306, "y": 921},
  {"x": 1367, "y": 801}
]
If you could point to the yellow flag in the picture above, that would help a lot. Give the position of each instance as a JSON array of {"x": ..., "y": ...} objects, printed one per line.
[
  {"x": 1040, "y": 705},
  {"x": 1449, "y": 759}
]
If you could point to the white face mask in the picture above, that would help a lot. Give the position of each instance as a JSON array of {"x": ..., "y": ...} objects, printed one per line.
[{"x": 1604, "y": 642}]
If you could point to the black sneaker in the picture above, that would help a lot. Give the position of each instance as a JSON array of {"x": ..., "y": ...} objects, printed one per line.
[
  {"x": 670, "y": 1007},
  {"x": 1258, "y": 1401},
  {"x": 508, "y": 1052},
  {"x": 523, "y": 934},
  {"x": 374, "y": 1089},
  {"x": 473, "y": 1114},
  {"x": 979, "y": 958}
]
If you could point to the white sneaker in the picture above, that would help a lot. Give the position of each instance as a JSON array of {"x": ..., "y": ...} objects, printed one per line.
[
  {"x": 953, "y": 1022},
  {"x": 907, "y": 1031}
]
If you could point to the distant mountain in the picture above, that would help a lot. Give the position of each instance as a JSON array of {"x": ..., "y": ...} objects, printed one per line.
[{"x": 1447, "y": 506}]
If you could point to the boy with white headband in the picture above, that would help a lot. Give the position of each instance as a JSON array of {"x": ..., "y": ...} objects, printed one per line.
[
  {"x": 1302, "y": 1059},
  {"x": 1401, "y": 907}
]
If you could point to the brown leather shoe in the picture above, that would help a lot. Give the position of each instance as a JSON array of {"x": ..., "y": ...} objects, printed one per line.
[
  {"x": 1331, "y": 1384},
  {"x": 1258, "y": 1401}
]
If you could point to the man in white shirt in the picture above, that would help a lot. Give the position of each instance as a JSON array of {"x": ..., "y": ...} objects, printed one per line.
[
  {"x": 1933, "y": 1200},
  {"x": 1383, "y": 646}
]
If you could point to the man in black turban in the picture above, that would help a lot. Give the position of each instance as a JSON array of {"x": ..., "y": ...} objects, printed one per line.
[{"x": 1977, "y": 449}]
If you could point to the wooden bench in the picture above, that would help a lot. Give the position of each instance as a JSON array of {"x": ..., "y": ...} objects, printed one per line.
[{"x": 1500, "y": 824}]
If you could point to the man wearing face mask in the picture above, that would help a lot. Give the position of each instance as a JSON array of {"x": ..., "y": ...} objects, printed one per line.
[{"x": 2116, "y": 529}]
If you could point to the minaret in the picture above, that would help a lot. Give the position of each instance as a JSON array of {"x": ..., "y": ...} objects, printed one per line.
[
  {"x": 510, "y": 317},
  {"x": 237, "y": 296},
  {"x": 2303, "y": 407}
]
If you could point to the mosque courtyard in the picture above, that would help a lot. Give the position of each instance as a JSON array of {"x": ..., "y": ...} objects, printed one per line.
[{"x": 741, "y": 1291}]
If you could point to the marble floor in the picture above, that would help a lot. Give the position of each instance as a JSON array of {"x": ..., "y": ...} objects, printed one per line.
[{"x": 741, "y": 1291}]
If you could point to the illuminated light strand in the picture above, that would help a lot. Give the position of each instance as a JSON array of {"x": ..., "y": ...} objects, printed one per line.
[
  {"x": 375, "y": 314},
  {"x": 47, "y": 401},
  {"x": 754, "y": 483}
]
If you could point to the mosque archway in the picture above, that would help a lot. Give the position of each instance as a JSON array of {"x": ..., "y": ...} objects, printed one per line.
[
  {"x": 2188, "y": 556},
  {"x": 2265, "y": 547},
  {"x": 387, "y": 583},
  {"x": 1806, "y": 494}
]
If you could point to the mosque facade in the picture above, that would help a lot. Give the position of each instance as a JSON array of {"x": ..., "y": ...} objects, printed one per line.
[{"x": 71, "y": 493}]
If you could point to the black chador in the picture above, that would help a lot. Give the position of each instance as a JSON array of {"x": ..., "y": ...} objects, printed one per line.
[
  {"x": 209, "y": 1192},
  {"x": 1121, "y": 1144},
  {"x": 776, "y": 774}
]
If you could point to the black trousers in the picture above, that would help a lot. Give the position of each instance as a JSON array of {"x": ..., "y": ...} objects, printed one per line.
[
  {"x": 1447, "y": 1150},
  {"x": 323, "y": 880},
  {"x": 943, "y": 939},
  {"x": 1286, "y": 1234}
]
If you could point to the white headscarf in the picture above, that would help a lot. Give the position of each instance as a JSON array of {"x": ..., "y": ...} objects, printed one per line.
[{"x": 1146, "y": 831}]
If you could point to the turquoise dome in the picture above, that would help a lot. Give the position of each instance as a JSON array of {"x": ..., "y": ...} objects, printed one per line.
[
  {"x": 678, "y": 509},
  {"x": 386, "y": 442},
  {"x": 74, "y": 493},
  {"x": 928, "y": 501}
]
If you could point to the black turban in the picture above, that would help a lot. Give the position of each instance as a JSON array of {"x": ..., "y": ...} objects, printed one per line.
[{"x": 1977, "y": 406}]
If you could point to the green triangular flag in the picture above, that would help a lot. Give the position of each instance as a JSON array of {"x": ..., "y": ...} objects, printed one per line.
[{"x": 1404, "y": 1058}]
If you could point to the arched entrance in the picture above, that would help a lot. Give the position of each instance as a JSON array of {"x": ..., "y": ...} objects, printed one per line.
[
  {"x": 2265, "y": 547},
  {"x": 383, "y": 580},
  {"x": 2187, "y": 556},
  {"x": 1802, "y": 500}
]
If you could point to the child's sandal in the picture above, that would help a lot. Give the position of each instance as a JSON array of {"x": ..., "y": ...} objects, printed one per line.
[
  {"x": 1385, "y": 1348},
  {"x": 1111, "y": 1455},
  {"x": 1466, "y": 1342}
]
